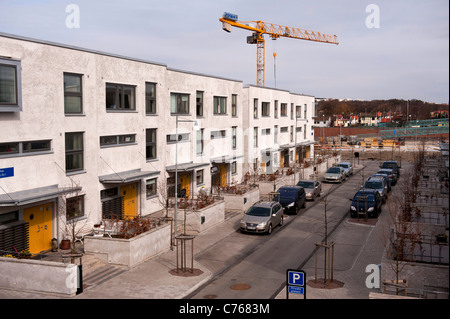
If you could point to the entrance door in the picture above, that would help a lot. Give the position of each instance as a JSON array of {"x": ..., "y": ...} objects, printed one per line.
[
  {"x": 185, "y": 184},
  {"x": 39, "y": 219},
  {"x": 129, "y": 194},
  {"x": 223, "y": 174}
]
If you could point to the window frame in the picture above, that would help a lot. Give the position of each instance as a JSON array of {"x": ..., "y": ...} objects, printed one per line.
[
  {"x": 150, "y": 99},
  {"x": 119, "y": 97},
  {"x": 79, "y": 214},
  {"x": 73, "y": 94},
  {"x": 151, "y": 143},
  {"x": 179, "y": 107},
  {"x": 73, "y": 152},
  {"x": 220, "y": 105},
  {"x": 17, "y": 105},
  {"x": 199, "y": 99},
  {"x": 265, "y": 109},
  {"x": 117, "y": 140},
  {"x": 154, "y": 192},
  {"x": 234, "y": 105}
]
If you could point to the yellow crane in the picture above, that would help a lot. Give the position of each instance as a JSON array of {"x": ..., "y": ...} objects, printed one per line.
[{"x": 274, "y": 31}]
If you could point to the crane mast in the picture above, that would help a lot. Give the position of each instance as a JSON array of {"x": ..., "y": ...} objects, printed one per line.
[{"x": 273, "y": 30}]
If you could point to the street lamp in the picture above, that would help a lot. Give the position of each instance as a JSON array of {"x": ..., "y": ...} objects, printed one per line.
[
  {"x": 175, "y": 216},
  {"x": 295, "y": 146}
]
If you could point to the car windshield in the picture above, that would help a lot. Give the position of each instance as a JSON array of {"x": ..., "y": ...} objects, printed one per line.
[
  {"x": 259, "y": 211},
  {"x": 373, "y": 184},
  {"x": 334, "y": 170},
  {"x": 385, "y": 171},
  {"x": 370, "y": 197},
  {"x": 343, "y": 165},
  {"x": 388, "y": 165},
  {"x": 306, "y": 184}
]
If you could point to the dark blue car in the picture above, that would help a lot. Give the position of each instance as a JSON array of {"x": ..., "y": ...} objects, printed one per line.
[
  {"x": 292, "y": 198},
  {"x": 369, "y": 199}
]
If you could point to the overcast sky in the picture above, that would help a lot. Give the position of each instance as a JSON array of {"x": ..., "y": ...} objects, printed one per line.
[{"x": 403, "y": 52}]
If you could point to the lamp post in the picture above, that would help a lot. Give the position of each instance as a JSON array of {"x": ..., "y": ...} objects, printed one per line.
[
  {"x": 175, "y": 215},
  {"x": 295, "y": 146}
]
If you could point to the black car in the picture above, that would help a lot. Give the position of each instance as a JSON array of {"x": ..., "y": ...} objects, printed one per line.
[
  {"x": 392, "y": 165},
  {"x": 366, "y": 198},
  {"x": 292, "y": 198}
]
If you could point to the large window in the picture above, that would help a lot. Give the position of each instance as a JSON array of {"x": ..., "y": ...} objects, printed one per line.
[
  {"x": 114, "y": 140},
  {"x": 73, "y": 96},
  {"x": 120, "y": 97},
  {"x": 265, "y": 109},
  {"x": 150, "y": 98},
  {"x": 220, "y": 105},
  {"x": 10, "y": 86},
  {"x": 150, "y": 143},
  {"x": 283, "y": 109},
  {"x": 74, "y": 152},
  {"x": 179, "y": 103}
]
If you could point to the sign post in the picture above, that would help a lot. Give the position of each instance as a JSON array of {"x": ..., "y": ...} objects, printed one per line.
[{"x": 295, "y": 282}]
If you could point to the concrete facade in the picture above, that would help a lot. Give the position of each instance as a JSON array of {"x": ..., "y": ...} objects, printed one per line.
[{"x": 108, "y": 143}]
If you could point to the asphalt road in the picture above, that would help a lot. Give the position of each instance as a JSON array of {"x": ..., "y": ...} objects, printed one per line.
[{"x": 253, "y": 266}]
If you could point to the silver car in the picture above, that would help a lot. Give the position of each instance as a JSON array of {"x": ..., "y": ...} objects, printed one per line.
[
  {"x": 379, "y": 184},
  {"x": 312, "y": 188},
  {"x": 262, "y": 217},
  {"x": 335, "y": 174},
  {"x": 347, "y": 166}
]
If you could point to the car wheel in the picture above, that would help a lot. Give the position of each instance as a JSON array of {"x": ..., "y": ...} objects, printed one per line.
[
  {"x": 269, "y": 231},
  {"x": 314, "y": 197},
  {"x": 281, "y": 221},
  {"x": 296, "y": 209},
  {"x": 304, "y": 203}
]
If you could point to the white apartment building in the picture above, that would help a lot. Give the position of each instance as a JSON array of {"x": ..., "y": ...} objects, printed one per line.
[{"x": 109, "y": 133}]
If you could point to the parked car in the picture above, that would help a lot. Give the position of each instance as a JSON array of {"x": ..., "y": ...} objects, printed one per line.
[
  {"x": 378, "y": 184},
  {"x": 335, "y": 174},
  {"x": 292, "y": 198},
  {"x": 262, "y": 217},
  {"x": 312, "y": 188},
  {"x": 392, "y": 165},
  {"x": 386, "y": 180},
  {"x": 390, "y": 173},
  {"x": 364, "y": 199},
  {"x": 347, "y": 166}
]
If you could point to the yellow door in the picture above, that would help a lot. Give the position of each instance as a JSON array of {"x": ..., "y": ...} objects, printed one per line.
[
  {"x": 129, "y": 194},
  {"x": 185, "y": 183},
  {"x": 281, "y": 159},
  {"x": 223, "y": 175},
  {"x": 39, "y": 219}
]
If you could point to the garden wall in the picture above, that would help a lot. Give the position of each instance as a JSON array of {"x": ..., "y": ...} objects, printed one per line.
[{"x": 40, "y": 276}]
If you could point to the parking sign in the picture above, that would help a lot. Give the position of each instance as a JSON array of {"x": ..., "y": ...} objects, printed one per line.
[{"x": 295, "y": 282}]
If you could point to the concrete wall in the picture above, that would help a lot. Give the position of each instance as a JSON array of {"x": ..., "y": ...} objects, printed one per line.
[
  {"x": 40, "y": 276},
  {"x": 241, "y": 203},
  {"x": 129, "y": 252}
]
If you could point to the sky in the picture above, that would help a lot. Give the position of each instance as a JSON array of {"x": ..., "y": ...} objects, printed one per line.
[{"x": 388, "y": 49}]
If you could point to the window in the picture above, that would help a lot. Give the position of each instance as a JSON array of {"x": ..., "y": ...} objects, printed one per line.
[
  {"x": 283, "y": 109},
  {"x": 150, "y": 98},
  {"x": 120, "y": 97},
  {"x": 199, "y": 177},
  {"x": 304, "y": 131},
  {"x": 305, "y": 112},
  {"x": 179, "y": 103},
  {"x": 292, "y": 111},
  {"x": 74, "y": 207},
  {"x": 275, "y": 110},
  {"x": 233, "y": 105},
  {"x": 150, "y": 143},
  {"x": 22, "y": 148},
  {"x": 150, "y": 186},
  {"x": 233, "y": 168},
  {"x": 199, "y": 142},
  {"x": 298, "y": 111},
  {"x": 234, "y": 137},
  {"x": 73, "y": 97},
  {"x": 218, "y": 134},
  {"x": 9, "y": 217},
  {"x": 255, "y": 108},
  {"x": 292, "y": 133},
  {"x": 265, "y": 131},
  {"x": 284, "y": 129},
  {"x": 115, "y": 140},
  {"x": 275, "y": 134},
  {"x": 265, "y": 109},
  {"x": 220, "y": 105},
  {"x": 255, "y": 137},
  {"x": 172, "y": 138},
  {"x": 199, "y": 100},
  {"x": 74, "y": 152},
  {"x": 10, "y": 86}
]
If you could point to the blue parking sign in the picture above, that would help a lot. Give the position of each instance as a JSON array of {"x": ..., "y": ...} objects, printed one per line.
[{"x": 295, "y": 281}]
